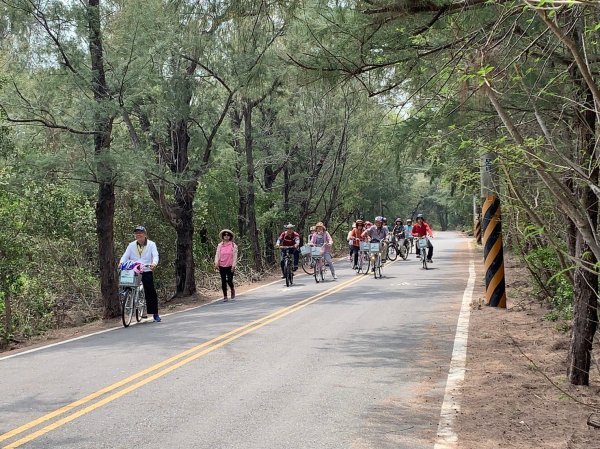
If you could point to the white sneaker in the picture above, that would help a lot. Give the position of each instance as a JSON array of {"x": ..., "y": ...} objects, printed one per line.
[{"x": 334, "y": 276}]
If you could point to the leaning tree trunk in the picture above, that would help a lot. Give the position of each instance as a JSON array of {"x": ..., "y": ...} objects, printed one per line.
[
  {"x": 585, "y": 317},
  {"x": 105, "y": 205},
  {"x": 585, "y": 279}
]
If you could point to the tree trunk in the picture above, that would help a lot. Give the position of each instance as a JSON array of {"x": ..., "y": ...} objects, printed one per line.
[
  {"x": 105, "y": 211},
  {"x": 250, "y": 189},
  {"x": 183, "y": 214},
  {"x": 105, "y": 205},
  {"x": 585, "y": 279},
  {"x": 7, "y": 318},
  {"x": 242, "y": 218},
  {"x": 184, "y": 260},
  {"x": 585, "y": 317}
]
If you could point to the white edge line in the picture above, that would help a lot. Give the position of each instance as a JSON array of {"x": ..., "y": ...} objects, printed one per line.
[
  {"x": 446, "y": 435},
  {"x": 81, "y": 337}
]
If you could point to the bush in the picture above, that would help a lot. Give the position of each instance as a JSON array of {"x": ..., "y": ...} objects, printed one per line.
[{"x": 544, "y": 261}]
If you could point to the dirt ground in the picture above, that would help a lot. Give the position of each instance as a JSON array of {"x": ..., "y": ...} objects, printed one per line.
[{"x": 515, "y": 394}]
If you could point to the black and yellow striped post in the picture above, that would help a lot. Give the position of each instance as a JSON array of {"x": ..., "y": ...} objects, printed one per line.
[
  {"x": 478, "y": 230},
  {"x": 493, "y": 254}
]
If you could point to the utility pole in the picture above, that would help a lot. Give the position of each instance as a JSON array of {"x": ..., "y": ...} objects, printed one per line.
[{"x": 491, "y": 226}]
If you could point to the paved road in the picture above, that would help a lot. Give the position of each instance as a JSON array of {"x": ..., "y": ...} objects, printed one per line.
[{"x": 353, "y": 363}]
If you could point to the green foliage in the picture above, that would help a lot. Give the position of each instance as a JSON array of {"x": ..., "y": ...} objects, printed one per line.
[{"x": 544, "y": 261}]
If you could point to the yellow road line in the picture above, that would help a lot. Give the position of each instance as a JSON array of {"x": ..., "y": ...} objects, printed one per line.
[{"x": 210, "y": 346}]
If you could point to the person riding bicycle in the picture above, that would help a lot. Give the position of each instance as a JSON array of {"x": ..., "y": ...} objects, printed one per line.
[
  {"x": 322, "y": 239},
  {"x": 399, "y": 233},
  {"x": 349, "y": 240},
  {"x": 144, "y": 251},
  {"x": 408, "y": 232},
  {"x": 355, "y": 238},
  {"x": 289, "y": 240},
  {"x": 377, "y": 233},
  {"x": 422, "y": 229},
  {"x": 398, "y": 229},
  {"x": 385, "y": 225},
  {"x": 408, "y": 227}
]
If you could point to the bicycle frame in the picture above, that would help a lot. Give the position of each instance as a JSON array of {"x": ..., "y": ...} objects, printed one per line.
[{"x": 288, "y": 265}]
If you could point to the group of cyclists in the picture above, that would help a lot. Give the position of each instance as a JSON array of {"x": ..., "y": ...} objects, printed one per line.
[
  {"x": 362, "y": 231},
  {"x": 141, "y": 255}
]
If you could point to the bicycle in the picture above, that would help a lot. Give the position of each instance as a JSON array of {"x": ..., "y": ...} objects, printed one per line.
[
  {"x": 288, "y": 265},
  {"x": 375, "y": 257},
  {"x": 320, "y": 265},
  {"x": 411, "y": 244},
  {"x": 364, "y": 261},
  {"x": 131, "y": 292},
  {"x": 423, "y": 243},
  {"x": 397, "y": 247},
  {"x": 308, "y": 263}
]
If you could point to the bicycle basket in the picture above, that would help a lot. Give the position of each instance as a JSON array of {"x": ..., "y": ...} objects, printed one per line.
[
  {"x": 315, "y": 251},
  {"x": 423, "y": 242},
  {"x": 305, "y": 250},
  {"x": 374, "y": 247},
  {"x": 364, "y": 246},
  {"x": 127, "y": 278}
]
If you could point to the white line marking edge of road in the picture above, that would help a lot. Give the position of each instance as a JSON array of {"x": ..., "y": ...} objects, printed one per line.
[{"x": 446, "y": 435}]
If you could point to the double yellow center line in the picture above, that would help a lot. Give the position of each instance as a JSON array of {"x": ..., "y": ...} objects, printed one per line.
[{"x": 163, "y": 368}]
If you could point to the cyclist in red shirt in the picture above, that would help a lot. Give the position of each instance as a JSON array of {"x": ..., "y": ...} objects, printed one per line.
[
  {"x": 422, "y": 229},
  {"x": 289, "y": 240}
]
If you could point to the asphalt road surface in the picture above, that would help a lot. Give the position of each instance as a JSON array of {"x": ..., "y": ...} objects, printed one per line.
[{"x": 355, "y": 362}]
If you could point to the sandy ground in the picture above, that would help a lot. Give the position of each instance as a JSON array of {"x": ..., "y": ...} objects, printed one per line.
[{"x": 515, "y": 394}]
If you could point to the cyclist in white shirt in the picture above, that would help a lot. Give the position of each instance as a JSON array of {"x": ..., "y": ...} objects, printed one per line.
[{"x": 144, "y": 251}]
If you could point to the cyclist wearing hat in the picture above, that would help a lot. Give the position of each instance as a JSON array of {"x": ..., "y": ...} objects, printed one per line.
[
  {"x": 378, "y": 233},
  {"x": 144, "y": 251},
  {"x": 289, "y": 240},
  {"x": 322, "y": 239},
  {"x": 225, "y": 261},
  {"x": 355, "y": 239},
  {"x": 399, "y": 233}
]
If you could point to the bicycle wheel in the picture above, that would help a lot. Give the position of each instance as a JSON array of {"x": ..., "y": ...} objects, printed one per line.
[
  {"x": 376, "y": 262},
  {"x": 322, "y": 271},
  {"x": 378, "y": 268},
  {"x": 290, "y": 274},
  {"x": 359, "y": 263},
  {"x": 368, "y": 262},
  {"x": 286, "y": 272},
  {"x": 140, "y": 309},
  {"x": 317, "y": 270},
  {"x": 308, "y": 265},
  {"x": 127, "y": 308},
  {"x": 424, "y": 258},
  {"x": 403, "y": 251},
  {"x": 392, "y": 252}
]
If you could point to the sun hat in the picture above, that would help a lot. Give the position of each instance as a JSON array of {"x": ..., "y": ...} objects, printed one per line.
[
  {"x": 322, "y": 225},
  {"x": 226, "y": 231}
]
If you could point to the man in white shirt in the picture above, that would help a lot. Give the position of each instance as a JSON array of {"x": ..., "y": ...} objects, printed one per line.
[{"x": 144, "y": 251}]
